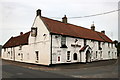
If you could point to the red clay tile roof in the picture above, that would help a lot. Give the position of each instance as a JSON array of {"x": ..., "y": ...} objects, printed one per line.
[
  {"x": 61, "y": 28},
  {"x": 18, "y": 40}
]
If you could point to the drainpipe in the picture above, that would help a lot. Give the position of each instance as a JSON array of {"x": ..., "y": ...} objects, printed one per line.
[
  {"x": 51, "y": 51},
  {"x": 14, "y": 53}
]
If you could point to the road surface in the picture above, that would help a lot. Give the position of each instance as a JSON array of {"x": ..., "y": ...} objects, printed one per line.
[{"x": 9, "y": 70}]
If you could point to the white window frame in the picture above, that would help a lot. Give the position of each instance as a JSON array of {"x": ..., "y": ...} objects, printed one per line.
[
  {"x": 63, "y": 40},
  {"x": 68, "y": 55},
  {"x": 37, "y": 56}
]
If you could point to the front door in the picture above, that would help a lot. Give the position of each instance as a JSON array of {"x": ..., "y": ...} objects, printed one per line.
[{"x": 88, "y": 56}]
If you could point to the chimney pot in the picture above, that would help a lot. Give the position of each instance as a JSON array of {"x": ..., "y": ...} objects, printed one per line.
[
  {"x": 103, "y": 32},
  {"x": 64, "y": 19},
  {"x": 93, "y": 26},
  {"x": 38, "y": 12},
  {"x": 21, "y": 33}
]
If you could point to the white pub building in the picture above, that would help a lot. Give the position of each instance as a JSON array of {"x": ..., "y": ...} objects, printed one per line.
[{"x": 55, "y": 42}]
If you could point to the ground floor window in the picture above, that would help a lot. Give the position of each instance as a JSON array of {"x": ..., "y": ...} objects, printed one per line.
[
  {"x": 21, "y": 56},
  {"x": 18, "y": 54},
  {"x": 109, "y": 54},
  {"x": 8, "y": 54},
  {"x": 75, "y": 56},
  {"x": 11, "y": 54},
  {"x": 37, "y": 55},
  {"x": 27, "y": 55},
  {"x": 58, "y": 58},
  {"x": 101, "y": 54},
  {"x": 112, "y": 54},
  {"x": 96, "y": 54},
  {"x": 115, "y": 53},
  {"x": 68, "y": 55}
]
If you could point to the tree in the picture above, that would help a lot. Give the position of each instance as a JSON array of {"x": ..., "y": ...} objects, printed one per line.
[{"x": 117, "y": 45}]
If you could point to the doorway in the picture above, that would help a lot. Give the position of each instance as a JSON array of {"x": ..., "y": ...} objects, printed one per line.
[{"x": 88, "y": 56}]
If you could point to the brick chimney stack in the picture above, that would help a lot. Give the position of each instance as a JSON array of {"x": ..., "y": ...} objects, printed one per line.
[
  {"x": 38, "y": 12},
  {"x": 64, "y": 19}
]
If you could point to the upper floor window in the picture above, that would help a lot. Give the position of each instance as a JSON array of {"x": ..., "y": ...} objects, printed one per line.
[
  {"x": 20, "y": 47},
  {"x": 4, "y": 49},
  {"x": 63, "y": 42},
  {"x": 85, "y": 42},
  {"x": 112, "y": 45},
  {"x": 33, "y": 31},
  {"x": 8, "y": 52},
  {"x": 103, "y": 43},
  {"x": 108, "y": 44},
  {"x": 92, "y": 41},
  {"x": 99, "y": 46}
]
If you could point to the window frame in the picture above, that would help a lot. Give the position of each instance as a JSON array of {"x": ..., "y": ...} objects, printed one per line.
[
  {"x": 85, "y": 42},
  {"x": 109, "y": 54},
  {"x": 99, "y": 45},
  {"x": 4, "y": 49},
  {"x": 20, "y": 47},
  {"x": 33, "y": 31},
  {"x": 63, "y": 42},
  {"x": 37, "y": 55},
  {"x": 108, "y": 44},
  {"x": 96, "y": 55},
  {"x": 58, "y": 59},
  {"x": 68, "y": 55},
  {"x": 75, "y": 56}
]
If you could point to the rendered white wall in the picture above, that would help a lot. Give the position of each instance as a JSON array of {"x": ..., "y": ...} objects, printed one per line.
[
  {"x": 62, "y": 52},
  {"x": 39, "y": 43}
]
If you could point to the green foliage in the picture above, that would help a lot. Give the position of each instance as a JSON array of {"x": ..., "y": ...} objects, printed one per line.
[{"x": 118, "y": 49}]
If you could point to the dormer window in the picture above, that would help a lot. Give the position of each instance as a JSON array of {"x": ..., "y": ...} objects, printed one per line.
[{"x": 33, "y": 31}]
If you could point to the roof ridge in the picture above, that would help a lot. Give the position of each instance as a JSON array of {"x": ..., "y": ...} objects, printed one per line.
[
  {"x": 20, "y": 35},
  {"x": 67, "y": 23},
  {"x": 56, "y": 26}
]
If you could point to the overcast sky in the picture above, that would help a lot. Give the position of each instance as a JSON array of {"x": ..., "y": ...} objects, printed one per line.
[{"x": 18, "y": 15}]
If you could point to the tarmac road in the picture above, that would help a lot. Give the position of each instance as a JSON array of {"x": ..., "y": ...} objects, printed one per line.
[
  {"x": 13, "y": 71},
  {"x": 103, "y": 69},
  {"x": 110, "y": 71}
]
